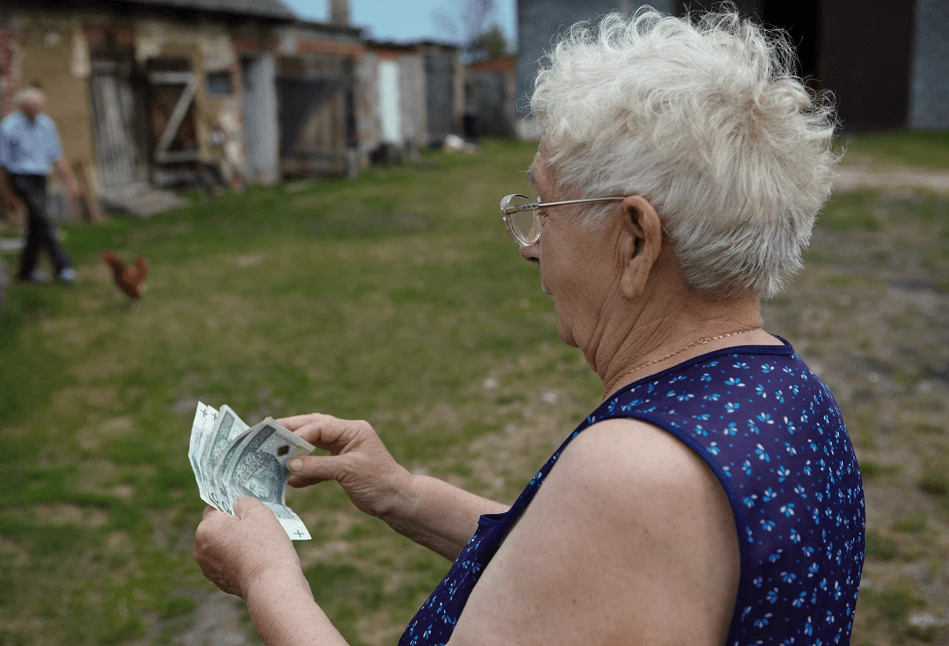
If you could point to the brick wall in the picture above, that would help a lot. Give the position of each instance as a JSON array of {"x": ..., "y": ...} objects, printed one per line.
[
  {"x": 929, "y": 80},
  {"x": 9, "y": 72}
]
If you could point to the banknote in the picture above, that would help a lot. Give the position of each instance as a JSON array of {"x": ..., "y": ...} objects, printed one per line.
[
  {"x": 231, "y": 460},
  {"x": 226, "y": 430},
  {"x": 192, "y": 446},
  {"x": 256, "y": 466},
  {"x": 204, "y": 419}
]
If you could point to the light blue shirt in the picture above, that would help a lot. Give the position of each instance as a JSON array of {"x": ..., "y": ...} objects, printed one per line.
[{"x": 29, "y": 147}]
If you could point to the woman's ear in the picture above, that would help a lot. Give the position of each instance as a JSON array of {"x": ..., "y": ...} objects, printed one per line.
[{"x": 641, "y": 243}]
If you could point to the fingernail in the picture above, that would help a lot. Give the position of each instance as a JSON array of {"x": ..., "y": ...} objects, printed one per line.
[{"x": 296, "y": 464}]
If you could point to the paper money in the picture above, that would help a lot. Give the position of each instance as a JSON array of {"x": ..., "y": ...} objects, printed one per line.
[
  {"x": 204, "y": 419},
  {"x": 231, "y": 460},
  {"x": 257, "y": 466},
  {"x": 228, "y": 428}
]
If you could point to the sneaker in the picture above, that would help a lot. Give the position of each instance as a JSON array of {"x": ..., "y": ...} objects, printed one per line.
[{"x": 67, "y": 275}]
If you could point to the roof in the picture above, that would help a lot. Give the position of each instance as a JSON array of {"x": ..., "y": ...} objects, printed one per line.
[
  {"x": 318, "y": 26},
  {"x": 274, "y": 9},
  {"x": 504, "y": 63},
  {"x": 391, "y": 44}
]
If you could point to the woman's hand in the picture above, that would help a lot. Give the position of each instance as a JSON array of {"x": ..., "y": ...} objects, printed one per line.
[
  {"x": 235, "y": 552},
  {"x": 360, "y": 462}
]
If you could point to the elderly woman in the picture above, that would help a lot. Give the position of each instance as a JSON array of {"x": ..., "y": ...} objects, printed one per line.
[{"x": 713, "y": 497}]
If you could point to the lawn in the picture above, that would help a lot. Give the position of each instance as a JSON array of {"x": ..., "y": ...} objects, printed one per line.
[{"x": 399, "y": 298}]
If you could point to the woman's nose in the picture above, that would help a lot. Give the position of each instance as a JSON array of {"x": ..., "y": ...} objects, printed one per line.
[{"x": 531, "y": 252}]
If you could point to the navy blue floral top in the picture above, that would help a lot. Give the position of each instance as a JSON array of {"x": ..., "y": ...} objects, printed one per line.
[{"x": 772, "y": 433}]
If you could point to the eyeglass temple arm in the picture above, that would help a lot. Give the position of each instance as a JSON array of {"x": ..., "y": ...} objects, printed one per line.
[{"x": 533, "y": 206}]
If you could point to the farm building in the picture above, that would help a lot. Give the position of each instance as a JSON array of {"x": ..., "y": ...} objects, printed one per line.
[
  {"x": 142, "y": 92},
  {"x": 491, "y": 95},
  {"x": 444, "y": 90},
  {"x": 161, "y": 93},
  {"x": 318, "y": 116},
  {"x": 392, "y": 87},
  {"x": 904, "y": 84}
]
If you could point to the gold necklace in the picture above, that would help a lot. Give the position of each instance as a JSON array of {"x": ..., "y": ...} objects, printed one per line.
[{"x": 706, "y": 339}]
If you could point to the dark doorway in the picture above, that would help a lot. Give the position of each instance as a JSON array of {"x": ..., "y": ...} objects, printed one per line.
[{"x": 867, "y": 50}]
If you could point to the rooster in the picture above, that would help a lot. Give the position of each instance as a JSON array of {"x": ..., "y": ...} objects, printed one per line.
[{"x": 129, "y": 278}]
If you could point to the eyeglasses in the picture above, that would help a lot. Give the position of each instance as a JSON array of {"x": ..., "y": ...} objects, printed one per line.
[{"x": 522, "y": 219}]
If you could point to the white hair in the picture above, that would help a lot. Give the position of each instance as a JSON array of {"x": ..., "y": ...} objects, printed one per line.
[
  {"x": 705, "y": 117},
  {"x": 28, "y": 94}
]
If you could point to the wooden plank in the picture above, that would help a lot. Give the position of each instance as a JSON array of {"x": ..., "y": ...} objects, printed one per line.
[
  {"x": 177, "y": 156},
  {"x": 171, "y": 78},
  {"x": 177, "y": 117},
  {"x": 89, "y": 195}
]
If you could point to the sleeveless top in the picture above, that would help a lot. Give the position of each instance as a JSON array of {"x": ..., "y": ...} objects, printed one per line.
[{"x": 773, "y": 435}]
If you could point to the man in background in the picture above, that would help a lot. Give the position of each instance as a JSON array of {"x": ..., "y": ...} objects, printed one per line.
[{"x": 29, "y": 150}]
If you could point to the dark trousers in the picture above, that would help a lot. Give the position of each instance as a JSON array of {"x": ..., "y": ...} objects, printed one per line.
[{"x": 40, "y": 231}]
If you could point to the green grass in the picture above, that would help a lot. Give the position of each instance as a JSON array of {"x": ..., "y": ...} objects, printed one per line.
[
  {"x": 910, "y": 524},
  {"x": 398, "y": 298},
  {"x": 920, "y": 149},
  {"x": 871, "y": 470},
  {"x": 896, "y": 603},
  {"x": 391, "y": 298},
  {"x": 880, "y": 547},
  {"x": 935, "y": 481}
]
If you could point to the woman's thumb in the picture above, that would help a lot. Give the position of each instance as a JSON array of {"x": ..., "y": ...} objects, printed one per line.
[
  {"x": 316, "y": 467},
  {"x": 245, "y": 505}
]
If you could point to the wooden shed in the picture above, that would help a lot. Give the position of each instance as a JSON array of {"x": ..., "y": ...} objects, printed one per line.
[{"x": 491, "y": 95}]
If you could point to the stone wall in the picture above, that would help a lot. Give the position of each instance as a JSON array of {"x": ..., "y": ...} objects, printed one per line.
[{"x": 929, "y": 80}]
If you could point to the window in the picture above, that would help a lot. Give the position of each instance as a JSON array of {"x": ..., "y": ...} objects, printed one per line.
[{"x": 220, "y": 83}]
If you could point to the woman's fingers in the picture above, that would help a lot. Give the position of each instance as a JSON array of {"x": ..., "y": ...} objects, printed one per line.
[{"x": 332, "y": 434}]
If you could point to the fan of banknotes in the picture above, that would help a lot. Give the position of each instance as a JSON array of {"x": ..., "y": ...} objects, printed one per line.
[{"x": 231, "y": 459}]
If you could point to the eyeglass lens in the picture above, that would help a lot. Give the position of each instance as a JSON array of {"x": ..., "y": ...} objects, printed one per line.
[{"x": 523, "y": 222}]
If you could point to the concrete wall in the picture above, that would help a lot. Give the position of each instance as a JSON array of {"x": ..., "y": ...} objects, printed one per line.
[
  {"x": 262, "y": 154},
  {"x": 367, "y": 101},
  {"x": 414, "y": 114},
  {"x": 929, "y": 85}
]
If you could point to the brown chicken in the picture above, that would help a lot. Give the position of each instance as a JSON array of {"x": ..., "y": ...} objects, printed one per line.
[{"x": 129, "y": 278}]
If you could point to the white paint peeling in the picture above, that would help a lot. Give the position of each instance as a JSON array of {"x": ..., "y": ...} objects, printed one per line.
[
  {"x": 79, "y": 65},
  {"x": 149, "y": 40},
  {"x": 287, "y": 42},
  {"x": 218, "y": 52}
]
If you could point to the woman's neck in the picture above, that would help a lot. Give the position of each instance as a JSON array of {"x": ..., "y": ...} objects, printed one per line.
[{"x": 651, "y": 342}]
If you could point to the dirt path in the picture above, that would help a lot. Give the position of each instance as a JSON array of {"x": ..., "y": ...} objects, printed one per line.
[{"x": 855, "y": 177}]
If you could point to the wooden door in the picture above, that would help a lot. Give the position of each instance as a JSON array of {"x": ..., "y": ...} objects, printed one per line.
[
  {"x": 311, "y": 98},
  {"x": 113, "y": 112},
  {"x": 172, "y": 88}
]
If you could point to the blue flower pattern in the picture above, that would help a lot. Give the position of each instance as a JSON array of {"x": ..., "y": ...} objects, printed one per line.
[{"x": 791, "y": 476}]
